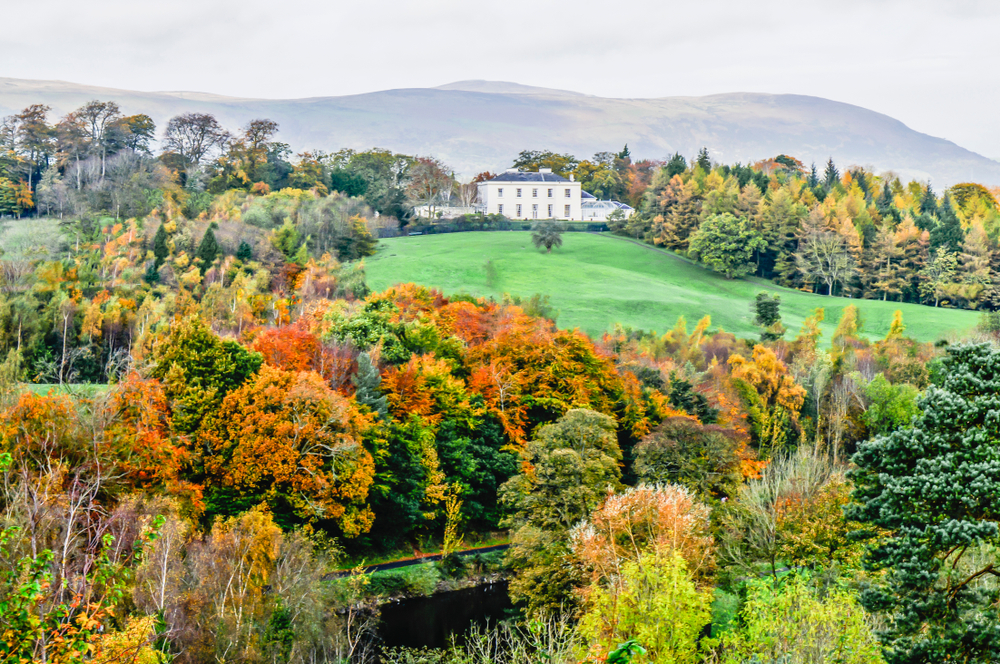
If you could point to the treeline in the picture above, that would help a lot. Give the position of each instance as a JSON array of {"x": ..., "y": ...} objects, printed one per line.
[
  {"x": 194, "y": 509},
  {"x": 855, "y": 234}
]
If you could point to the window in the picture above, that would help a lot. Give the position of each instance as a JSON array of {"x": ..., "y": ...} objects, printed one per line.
[
  {"x": 534, "y": 211},
  {"x": 500, "y": 192},
  {"x": 534, "y": 193},
  {"x": 518, "y": 192},
  {"x": 566, "y": 211},
  {"x": 500, "y": 209},
  {"x": 519, "y": 208},
  {"x": 550, "y": 193},
  {"x": 550, "y": 209},
  {"x": 567, "y": 193}
]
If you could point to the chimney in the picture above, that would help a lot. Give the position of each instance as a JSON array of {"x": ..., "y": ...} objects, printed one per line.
[
  {"x": 544, "y": 170},
  {"x": 512, "y": 170},
  {"x": 572, "y": 178}
]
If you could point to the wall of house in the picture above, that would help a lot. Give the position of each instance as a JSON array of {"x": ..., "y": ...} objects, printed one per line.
[{"x": 495, "y": 194}]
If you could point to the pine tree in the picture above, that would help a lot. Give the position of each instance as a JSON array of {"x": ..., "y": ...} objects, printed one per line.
[
  {"x": 831, "y": 175},
  {"x": 366, "y": 385},
  {"x": 208, "y": 250},
  {"x": 767, "y": 315},
  {"x": 931, "y": 491},
  {"x": 813, "y": 177},
  {"x": 928, "y": 203},
  {"x": 152, "y": 275},
  {"x": 676, "y": 165},
  {"x": 160, "y": 250},
  {"x": 947, "y": 232},
  {"x": 704, "y": 161},
  {"x": 245, "y": 252}
]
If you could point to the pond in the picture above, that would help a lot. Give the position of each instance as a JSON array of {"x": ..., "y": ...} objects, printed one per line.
[{"x": 431, "y": 621}]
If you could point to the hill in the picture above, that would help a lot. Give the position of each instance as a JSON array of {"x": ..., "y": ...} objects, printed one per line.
[
  {"x": 479, "y": 125},
  {"x": 597, "y": 281}
]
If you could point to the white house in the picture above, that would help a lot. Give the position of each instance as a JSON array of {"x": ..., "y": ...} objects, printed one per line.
[{"x": 522, "y": 195}]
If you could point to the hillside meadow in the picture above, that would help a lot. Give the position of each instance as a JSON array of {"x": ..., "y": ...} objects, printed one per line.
[{"x": 595, "y": 281}]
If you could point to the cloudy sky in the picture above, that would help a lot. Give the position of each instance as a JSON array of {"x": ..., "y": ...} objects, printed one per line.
[{"x": 931, "y": 63}]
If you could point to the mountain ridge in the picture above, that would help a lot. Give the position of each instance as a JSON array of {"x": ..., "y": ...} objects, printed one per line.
[{"x": 481, "y": 125}]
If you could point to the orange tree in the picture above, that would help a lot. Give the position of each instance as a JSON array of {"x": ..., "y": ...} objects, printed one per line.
[{"x": 287, "y": 439}]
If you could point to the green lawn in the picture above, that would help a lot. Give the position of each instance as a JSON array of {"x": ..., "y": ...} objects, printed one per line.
[{"x": 595, "y": 281}]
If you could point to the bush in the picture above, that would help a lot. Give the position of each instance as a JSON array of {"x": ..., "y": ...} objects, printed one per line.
[{"x": 412, "y": 580}]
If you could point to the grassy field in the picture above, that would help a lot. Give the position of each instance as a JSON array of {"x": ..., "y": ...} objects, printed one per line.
[
  {"x": 595, "y": 281},
  {"x": 31, "y": 237}
]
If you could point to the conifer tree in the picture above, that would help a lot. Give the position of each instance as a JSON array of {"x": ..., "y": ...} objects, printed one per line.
[
  {"x": 928, "y": 202},
  {"x": 208, "y": 250},
  {"x": 676, "y": 165},
  {"x": 813, "y": 177},
  {"x": 947, "y": 232},
  {"x": 366, "y": 386},
  {"x": 245, "y": 252},
  {"x": 932, "y": 493},
  {"x": 831, "y": 175},
  {"x": 160, "y": 249},
  {"x": 704, "y": 161}
]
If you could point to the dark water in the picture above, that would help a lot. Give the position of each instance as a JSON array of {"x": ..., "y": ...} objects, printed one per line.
[{"x": 431, "y": 621}]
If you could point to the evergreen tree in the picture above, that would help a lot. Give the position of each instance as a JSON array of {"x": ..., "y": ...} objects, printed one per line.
[
  {"x": 676, "y": 165},
  {"x": 767, "y": 315},
  {"x": 931, "y": 491},
  {"x": 160, "y": 249},
  {"x": 245, "y": 252},
  {"x": 831, "y": 175},
  {"x": 625, "y": 154},
  {"x": 813, "y": 177},
  {"x": 928, "y": 203},
  {"x": 683, "y": 396},
  {"x": 208, "y": 250},
  {"x": 152, "y": 275},
  {"x": 947, "y": 232},
  {"x": 704, "y": 161},
  {"x": 366, "y": 386}
]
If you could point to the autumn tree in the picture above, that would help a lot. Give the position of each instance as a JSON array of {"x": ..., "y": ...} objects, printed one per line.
[
  {"x": 287, "y": 439},
  {"x": 197, "y": 370},
  {"x": 571, "y": 463},
  {"x": 772, "y": 396}
]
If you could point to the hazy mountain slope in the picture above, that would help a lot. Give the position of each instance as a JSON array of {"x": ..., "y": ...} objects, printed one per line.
[{"x": 480, "y": 125}]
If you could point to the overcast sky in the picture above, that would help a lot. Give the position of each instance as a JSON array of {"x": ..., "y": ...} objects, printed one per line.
[{"x": 933, "y": 64}]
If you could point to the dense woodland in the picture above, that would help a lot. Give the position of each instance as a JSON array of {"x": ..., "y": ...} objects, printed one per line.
[{"x": 257, "y": 419}]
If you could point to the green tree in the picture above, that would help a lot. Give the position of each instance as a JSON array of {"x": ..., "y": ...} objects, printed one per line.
[
  {"x": 703, "y": 161},
  {"x": 727, "y": 244},
  {"x": 208, "y": 249},
  {"x": 767, "y": 315},
  {"x": 245, "y": 252},
  {"x": 791, "y": 620},
  {"x": 656, "y": 602},
  {"x": 947, "y": 232},
  {"x": 932, "y": 492},
  {"x": 676, "y": 165},
  {"x": 198, "y": 370},
  {"x": 573, "y": 463},
  {"x": 547, "y": 234},
  {"x": 831, "y": 175},
  {"x": 366, "y": 385},
  {"x": 160, "y": 249},
  {"x": 702, "y": 458}
]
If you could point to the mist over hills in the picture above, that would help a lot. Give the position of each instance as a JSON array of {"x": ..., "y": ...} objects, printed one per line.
[{"x": 481, "y": 125}]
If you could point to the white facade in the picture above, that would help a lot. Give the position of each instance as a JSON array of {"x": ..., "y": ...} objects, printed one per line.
[{"x": 530, "y": 196}]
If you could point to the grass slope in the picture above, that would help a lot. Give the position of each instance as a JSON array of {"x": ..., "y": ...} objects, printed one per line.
[{"x": 597, "y": 281}]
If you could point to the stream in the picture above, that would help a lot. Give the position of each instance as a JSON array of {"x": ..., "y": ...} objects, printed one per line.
[{"x": 430, "y": 621}]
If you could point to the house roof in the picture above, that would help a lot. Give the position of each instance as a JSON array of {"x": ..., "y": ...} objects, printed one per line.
[
  {"x": 519, "y": 176},
  {"x": 590, "y": 204}
]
